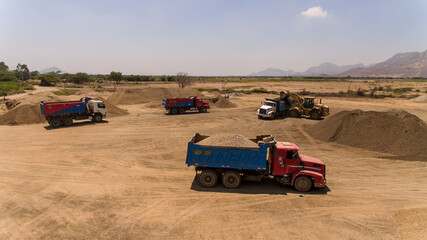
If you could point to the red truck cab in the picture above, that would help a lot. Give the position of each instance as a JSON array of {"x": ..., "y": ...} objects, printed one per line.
[{"x": 299, "y": 171}]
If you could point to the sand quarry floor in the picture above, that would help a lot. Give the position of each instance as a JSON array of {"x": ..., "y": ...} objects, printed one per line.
[{"x": 126, "y": 178}]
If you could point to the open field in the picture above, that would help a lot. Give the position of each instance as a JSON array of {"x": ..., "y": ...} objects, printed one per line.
[{"x": 126, "y": 178}]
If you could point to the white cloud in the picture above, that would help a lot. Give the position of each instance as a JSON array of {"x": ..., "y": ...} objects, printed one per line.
[{"x": 315, "y": 12}]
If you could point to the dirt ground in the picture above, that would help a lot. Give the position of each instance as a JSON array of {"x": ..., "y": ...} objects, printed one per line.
[{"x": 126, "y": 178}]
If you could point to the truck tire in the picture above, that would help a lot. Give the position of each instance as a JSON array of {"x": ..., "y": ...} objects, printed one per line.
[
  {"x": 173, "y": 111},
  {"x": 97, "y": 118},
  {"x": 181, "y": 110},
  {"x": 203, "y": 110},
  {"x": 314, "y": 114},
  {"x": 303, "y": 184},
  {"x": 208, "y": 178},
  {"x": 67, "y": 121},
  {"x": 231, "y": 179},
  {"x": 294, "y": 113},
  {"x": 56, "y": 122}
]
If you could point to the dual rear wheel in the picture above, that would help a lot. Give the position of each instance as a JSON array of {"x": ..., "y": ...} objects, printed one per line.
[{"x": 209, "y": 178}]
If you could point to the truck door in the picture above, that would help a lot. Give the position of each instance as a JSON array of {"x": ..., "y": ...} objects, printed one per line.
[{"x": 292, "y": 162}]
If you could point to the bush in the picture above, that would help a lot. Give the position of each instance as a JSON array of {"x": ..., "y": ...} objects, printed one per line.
[
  {"x": 49, "y": 79},
  {"x": 7, "y": 76}
]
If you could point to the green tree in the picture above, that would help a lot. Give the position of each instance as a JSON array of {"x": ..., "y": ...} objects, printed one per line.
[
  {"x": 80, "y": 78},
  {"x": 22, "y": 72},
  {"x": 49, "y": 79},
  {"x": 34, "y": 74},
  {"x": 116, "y": 76},
  {"x": 3, "y": 67}
]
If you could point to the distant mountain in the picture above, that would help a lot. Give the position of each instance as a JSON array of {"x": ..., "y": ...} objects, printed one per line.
[
  {"x": 329, "y": 69},
  {"x": 410, "y": 64},
  {"x": 53, "y": 69},
  {"x": 273, "y": 72}
]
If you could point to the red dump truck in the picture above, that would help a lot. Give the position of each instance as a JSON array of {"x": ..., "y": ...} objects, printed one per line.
[
  {"x": 181, "y": 105},
  {"x": 271, "y": 158},
  {"x": 63, "y": 113}
]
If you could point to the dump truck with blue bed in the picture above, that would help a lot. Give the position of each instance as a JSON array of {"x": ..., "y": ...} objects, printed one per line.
[
  {"x": 271, "y": 159},
  {"x": 181, "y": 105},
  {"x": 63, "y": 113},
  {"x": 273, "y": 108}
]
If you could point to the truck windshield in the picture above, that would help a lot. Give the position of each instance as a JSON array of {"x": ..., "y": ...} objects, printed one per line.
[
  {"x": 101, "y": 105},
  {"x": 269, "y": 104}
]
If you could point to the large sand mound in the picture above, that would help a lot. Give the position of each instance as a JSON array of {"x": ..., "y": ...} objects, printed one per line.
[
  {"x": 396, "y": 132},
  {"x": 228, "y": 140},
  {"x": 23, "y": 114},
  {"x": 138, "y": 96},
  {"x": 112, "y": 110},
  {"x": 221, "y": 102}
]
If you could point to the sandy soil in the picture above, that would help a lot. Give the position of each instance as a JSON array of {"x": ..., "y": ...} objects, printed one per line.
[{"x": 127, "y": 179}]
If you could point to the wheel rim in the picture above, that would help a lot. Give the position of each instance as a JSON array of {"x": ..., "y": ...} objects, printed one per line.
[
  {"x": 67, "y": 122},
  {"x": 303, "y": 184},
  {"x": 231, "y": 180},
  {"x": 208, "y": 179},
  {"x": 55, "y": 123},
  {"x": 315, "y": 115}
]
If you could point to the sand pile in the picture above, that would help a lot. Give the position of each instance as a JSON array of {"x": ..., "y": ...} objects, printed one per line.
[
  {"x": 228, "y": 140},
  {"x": 23, "y": 114},
  {"x": 396, "y": 132},
  {"x": 145, "y": 95},
  {"x": 113, "y": 110},
  {"x": 420, "y": 99},
  {"x": 221, "y": 102}
]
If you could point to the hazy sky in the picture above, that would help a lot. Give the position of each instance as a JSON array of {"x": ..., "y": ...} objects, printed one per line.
[{"x": 206, "y": 37}]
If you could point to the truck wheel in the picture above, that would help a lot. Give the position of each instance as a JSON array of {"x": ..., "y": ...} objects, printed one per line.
[
  {"x": 173, "y": 111},
  {"x": 294, "y": 113},
  {"x": 231, "y": 179},
  {"x": 97, "y": 118},
  {"x": 208, "y": 178},
  {"x": 181, "y": 110},
  {"x": 315, "y": 114},
  {"x": 203, "y": 110},
  {"x": 67, "y": 121},
  {"x": 56, "y": 122},
  {"x": 303, "y": 184}
]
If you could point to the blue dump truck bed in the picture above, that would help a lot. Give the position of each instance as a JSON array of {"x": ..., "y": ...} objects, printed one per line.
[
  {"x": 281, "y": 104},
  {"x": 228, "y": 157}
]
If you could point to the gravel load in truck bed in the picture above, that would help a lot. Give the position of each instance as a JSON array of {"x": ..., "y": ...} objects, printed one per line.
[{"x": 228, "y": 140}]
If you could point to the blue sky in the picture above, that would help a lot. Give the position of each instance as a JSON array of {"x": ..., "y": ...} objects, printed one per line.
[{"x": 206, "y": 37}]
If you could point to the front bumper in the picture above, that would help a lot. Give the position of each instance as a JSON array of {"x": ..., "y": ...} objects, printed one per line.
[{"x": 320, "y": 184}]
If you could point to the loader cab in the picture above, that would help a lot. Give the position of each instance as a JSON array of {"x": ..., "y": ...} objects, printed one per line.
[
  {"x": 308, "y": 103},
  {"x": 97, "y": 106}
]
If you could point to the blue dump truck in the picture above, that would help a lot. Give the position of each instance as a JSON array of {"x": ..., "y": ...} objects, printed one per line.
[
  {"x": 271, "y": 159},
  {"x": 272, "y": 108}
]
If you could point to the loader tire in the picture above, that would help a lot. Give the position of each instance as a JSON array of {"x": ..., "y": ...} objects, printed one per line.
[
  {"x": 208, "y": 178},
  {"x": 294, "y": 113},
  {"x": 56, "y": 122},
  {"x": 231, "y": 179},
  {"x": 303, "y": 184},
  {"x": 315, "y": 115}
]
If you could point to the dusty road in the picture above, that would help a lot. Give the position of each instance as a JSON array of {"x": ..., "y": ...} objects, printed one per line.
[{"x": 127, "y": 179}]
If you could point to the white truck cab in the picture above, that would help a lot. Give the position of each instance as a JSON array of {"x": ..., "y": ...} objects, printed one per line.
[
  {"x": 97, "y": 106},
  {"x": 267, "y": 110}
]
